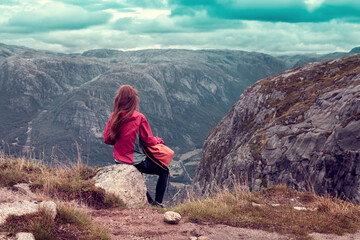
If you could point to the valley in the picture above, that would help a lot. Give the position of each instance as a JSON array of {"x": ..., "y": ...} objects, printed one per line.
[{"x": 55, "y": 106}]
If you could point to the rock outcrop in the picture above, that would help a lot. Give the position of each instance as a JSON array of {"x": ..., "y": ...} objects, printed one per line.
[
  {"x": 24, "y": 188},
  {"x": 24, "y": 236},
  {"x": 301, "y": 128},
  {"x": 25, "y": 207},
  {"x": 125, "y": 181}
]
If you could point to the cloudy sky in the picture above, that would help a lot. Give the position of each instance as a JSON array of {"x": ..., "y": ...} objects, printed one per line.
[{"x": 270, "y": 26}]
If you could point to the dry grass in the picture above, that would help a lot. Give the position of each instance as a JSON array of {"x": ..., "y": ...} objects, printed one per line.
[
  {"x": 62, "y": 182},
  {"x": 238, "y": 207},
  {"x": 69, "y": 223},
  {"x": 40, "y": 224},
  {"x": 79, "y": 222},
  {"x": 242, "y": 208}
]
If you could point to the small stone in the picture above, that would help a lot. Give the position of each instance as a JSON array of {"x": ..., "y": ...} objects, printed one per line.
[
  {"x": 305, "y": 209},
  {"x": 257, "y": 204},
  {"x": 25, "y": 236},
  {"x": 203, "y": 238},
  {"x": 172, "y": 217},
  {"x": 275, "y": 205},
  {"x": 50, "y": 207},
  {"x": 193, "y": 238}
]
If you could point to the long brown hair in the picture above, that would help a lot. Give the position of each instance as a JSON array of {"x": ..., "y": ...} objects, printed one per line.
[{"x": 126, "y": 101}]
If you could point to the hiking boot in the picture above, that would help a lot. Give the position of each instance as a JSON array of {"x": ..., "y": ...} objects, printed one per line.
[{"x": 157, "y": 204}]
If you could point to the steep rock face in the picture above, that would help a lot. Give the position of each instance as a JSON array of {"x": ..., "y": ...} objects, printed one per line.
[
  {"x": 301, "y": 128},
  {"x": 31, "y": 80}
]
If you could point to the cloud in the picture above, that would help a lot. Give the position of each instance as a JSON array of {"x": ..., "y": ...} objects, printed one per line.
[
  {"x": 54, "y": 16},
  {"x": 278, "y": 26},
  {"x": 272, "y": 38},
  {"x": 154, "y": 4},
  {"x": 292, "y": 11},
  {"x": 81, "y": 40},
  {"x": 113, "y": 4},
  {"x": 9, "y": 2},
  {"x": 313, "y": 4},
  {"x": 95, "y": 5},
  {"x": 199, "y": 22},
  {"x": 141, "y": 26}
]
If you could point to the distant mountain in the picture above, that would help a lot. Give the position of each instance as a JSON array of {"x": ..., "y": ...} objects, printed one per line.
[
  {"x": 8, "y": 50},
  {"x": 300, "y": 128},
  {"x": 293, "y": 61},
  {"x": 50, "y": 101},
  {"x": 355, "y": 50}
]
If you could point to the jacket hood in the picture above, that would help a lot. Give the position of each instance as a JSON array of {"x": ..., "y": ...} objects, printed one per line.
[{"x": 132, "y": 117}]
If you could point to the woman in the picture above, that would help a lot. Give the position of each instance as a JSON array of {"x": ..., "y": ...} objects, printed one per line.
[{"x": 128, "y": 130}]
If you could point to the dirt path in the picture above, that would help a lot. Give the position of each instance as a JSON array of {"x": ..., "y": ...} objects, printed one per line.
[
  {"x": 139, "y": 224},
  {"x": 146, "y": 223},
  {"x": 149, "y": 224}
]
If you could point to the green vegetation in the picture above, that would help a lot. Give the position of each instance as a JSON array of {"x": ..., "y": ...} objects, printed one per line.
[{"x": 273, "y": 210}]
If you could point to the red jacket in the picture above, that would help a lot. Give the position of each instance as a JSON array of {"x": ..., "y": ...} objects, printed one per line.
[{"x": 128, "y": 148}]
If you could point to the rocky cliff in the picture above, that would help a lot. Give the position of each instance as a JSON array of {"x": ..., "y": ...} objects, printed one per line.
[
  {"x": 50, "y": 101},
  {"x": 301, "y": 128}
]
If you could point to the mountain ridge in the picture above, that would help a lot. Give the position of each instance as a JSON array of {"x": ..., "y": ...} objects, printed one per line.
[{"x": 55, "y": 100}]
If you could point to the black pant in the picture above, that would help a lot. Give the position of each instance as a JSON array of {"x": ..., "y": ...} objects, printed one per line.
[{"x": 149, "y": 167}]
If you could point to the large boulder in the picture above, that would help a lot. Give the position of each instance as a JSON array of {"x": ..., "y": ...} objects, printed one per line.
[
  {"x": 125, "y": 181},
  {"x": 301, "y": 128}
]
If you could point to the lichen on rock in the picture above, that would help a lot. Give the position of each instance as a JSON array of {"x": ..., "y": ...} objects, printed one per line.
[
  {"x": 125, "y": 181},
  {"x": 300, "y": 128}
]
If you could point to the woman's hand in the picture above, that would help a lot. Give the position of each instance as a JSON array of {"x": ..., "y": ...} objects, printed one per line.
[{"x": 159, "y": 140}]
